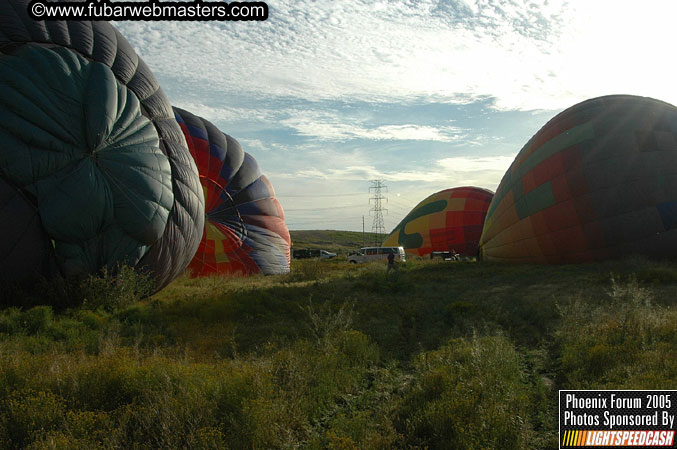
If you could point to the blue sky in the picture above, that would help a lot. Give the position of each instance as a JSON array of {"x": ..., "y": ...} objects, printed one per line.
[{"x": 426, "y": 95}]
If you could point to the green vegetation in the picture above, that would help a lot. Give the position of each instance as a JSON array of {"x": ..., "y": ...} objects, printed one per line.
[
  {"x": 333, "y": 355},
  {"x": 339, "y": 242}
]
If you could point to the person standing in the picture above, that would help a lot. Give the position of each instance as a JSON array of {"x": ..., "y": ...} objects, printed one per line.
[{"x": 391, "y": 264}]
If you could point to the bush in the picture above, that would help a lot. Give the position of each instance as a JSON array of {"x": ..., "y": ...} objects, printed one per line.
[
  {"x": 33, "y": 321},
  {"x": 26, "y": 416},
  {"x": 110, "y": 290},
  {"x": 114, "y": 291},
  {"x": 469, "y": 394},
  {"x": 307, "y": 270},
  {"x": 621, "y": 343}
]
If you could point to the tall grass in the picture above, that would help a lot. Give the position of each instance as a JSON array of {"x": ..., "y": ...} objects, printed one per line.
[
  {"x": 623, "y": 343},
  {"x": 444, "y": 355},
  {"x": 469, "y": 394}
]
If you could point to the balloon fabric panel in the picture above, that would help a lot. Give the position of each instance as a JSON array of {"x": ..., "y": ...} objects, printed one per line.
[
  {"x": 596, "y": 182},
  {"x": 451, "y": 219},
  {"x": 108, "y": 171},
  {"x": 245, "y": 232}
]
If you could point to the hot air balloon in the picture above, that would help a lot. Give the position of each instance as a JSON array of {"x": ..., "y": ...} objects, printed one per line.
[
  {"x": 94, "y": 169},
  {"x": 245, "y": 232},
  {"x": 448, "y": 220},
  {"x": 598, "y": 181}
]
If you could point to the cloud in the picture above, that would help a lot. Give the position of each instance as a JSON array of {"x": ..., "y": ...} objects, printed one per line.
[
  {"x": 326, "y": 198},
  {"x": 320, "y": 78},
  {"x": 324, "y": 122},
  {"x": 253, "y": 145},
  {"x": 524, "y": 55},
  {"x": 454, "y": 170},
  {"x": 221, "y": 113},
  {"x": 463, "y": 164},
  {"x": 341, "y": 129},
  {"x": 366, "y": 50}
]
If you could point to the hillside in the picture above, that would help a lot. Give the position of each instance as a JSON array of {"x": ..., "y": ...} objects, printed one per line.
[
  {"x": 340, "y": 242},
  {"x": 443, "y": 355}
]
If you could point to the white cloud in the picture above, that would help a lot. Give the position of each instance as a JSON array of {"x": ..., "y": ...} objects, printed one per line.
[
  {"x": 455, "y": 171},
  {"x": 223, "y": 113},
  {"x": 325, "y": 198},
  {"x": 525, "y": 56},
  {"x": 253, "y": 145},
  {"x": 465, "y": 164},
  {"x": 321, "y": 124},
  {"x": 339, "y": 128},
  {"x": 309, "y": 75}
]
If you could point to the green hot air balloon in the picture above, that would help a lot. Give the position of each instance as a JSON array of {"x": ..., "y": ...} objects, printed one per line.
[{"x": 94, "y": 170}]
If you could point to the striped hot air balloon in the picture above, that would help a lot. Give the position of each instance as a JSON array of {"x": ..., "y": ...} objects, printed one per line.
[{"x": 245, "y": 232}]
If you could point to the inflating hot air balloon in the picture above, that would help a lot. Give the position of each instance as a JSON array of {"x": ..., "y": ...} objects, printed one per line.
[
  {"x": 598, "y": 181},
  {"x": 448, "y": 220},
  {"x": 245, "y": 232},
  {"x": 94, "y": 169}
]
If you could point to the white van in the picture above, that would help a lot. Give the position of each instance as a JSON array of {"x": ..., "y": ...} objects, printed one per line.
[{"x": 367, "y": 254}]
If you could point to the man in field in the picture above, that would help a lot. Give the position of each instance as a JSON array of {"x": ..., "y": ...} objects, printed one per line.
[{"x": 391, "y": 264}]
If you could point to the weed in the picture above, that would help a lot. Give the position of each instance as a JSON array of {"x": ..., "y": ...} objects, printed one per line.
[
  {"x": 605, "y": 345},
  {"x": 445, "y": 355},
  {"x": 307, "y": 270},
  {"x": 114, "y": 291},
  {"x": 467, "y": 395}
]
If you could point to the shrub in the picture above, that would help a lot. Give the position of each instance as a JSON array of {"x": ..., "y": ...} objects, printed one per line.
[
  {"x": 110, "y": 290},
  {"x": 469, "y": 394},
  {"x": 624, "y": 342},
  {"x": 39, "y": 319},
  {"x": 114, "y": 291},
  {"x": 307, "y": 270},
  {"x": 26, "y": 416},
  {"x": 10, "y": 320}
]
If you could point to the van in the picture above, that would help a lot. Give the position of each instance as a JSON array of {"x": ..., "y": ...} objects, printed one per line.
[{"x": 367, "y": 254}]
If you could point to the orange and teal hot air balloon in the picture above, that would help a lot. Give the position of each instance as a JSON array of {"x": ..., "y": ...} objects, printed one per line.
[
  {"x": 245, "y": 232},
  {"x": 448, "y": 220},
  {"x": 598, "y": 181}
]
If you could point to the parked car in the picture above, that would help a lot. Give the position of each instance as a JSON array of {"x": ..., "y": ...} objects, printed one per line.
[
  {"x": 326, "y": 255},
  {"x": 312, "y": 253},
  {"x": 447, "y": 256},
  {"x": 367, "y": 254}
]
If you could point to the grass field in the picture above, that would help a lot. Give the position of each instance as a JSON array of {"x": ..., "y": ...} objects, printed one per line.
[
  {"x": 441, "y": 355},
  {"x": 339, "y": 242}
]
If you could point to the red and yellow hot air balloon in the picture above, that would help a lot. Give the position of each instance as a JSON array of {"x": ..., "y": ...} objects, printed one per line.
[
  {"x": 245, "y": 232},
  {"x": 448, "y": 220}
]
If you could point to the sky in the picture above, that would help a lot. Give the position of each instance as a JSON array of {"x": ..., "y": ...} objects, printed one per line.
[{"x": 426, "y": 95}]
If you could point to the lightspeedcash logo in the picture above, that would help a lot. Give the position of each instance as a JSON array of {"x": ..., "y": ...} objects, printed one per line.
[
  {"x": 622, "y": 439},
  {"x": 617, "y": 419}
]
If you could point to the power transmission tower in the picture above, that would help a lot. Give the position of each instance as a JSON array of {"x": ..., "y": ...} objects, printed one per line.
[{"x": 378, "y": 189}]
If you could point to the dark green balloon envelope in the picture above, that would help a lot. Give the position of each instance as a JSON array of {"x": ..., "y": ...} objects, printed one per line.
[{"x": 94, "y": 169}]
